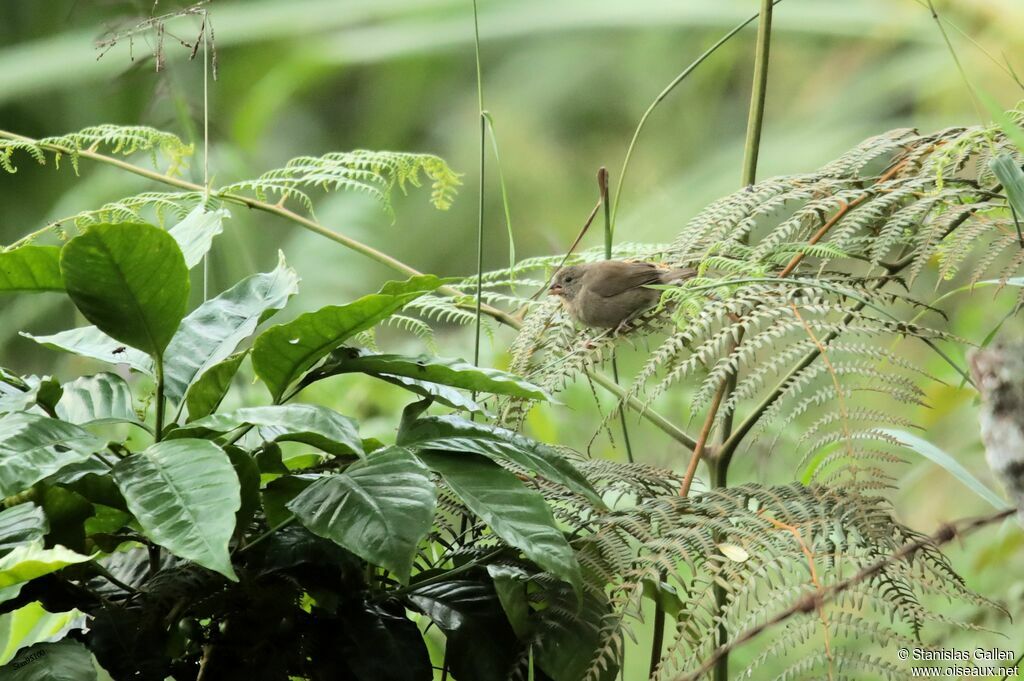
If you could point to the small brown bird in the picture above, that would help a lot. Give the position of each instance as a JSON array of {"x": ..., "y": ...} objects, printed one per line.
[
  {"x": 611, "y": 293},
  {"x": 998, "y": 372}
]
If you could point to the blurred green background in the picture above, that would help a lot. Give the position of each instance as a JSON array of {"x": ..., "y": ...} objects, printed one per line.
[{"x": 566, "y": 83}]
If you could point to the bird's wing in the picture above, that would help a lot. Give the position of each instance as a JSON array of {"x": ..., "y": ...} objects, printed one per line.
[{"x": 624, "y": 276}]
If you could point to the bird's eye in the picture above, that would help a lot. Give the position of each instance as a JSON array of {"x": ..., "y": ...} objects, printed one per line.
[{"x": 568, "y": 278}]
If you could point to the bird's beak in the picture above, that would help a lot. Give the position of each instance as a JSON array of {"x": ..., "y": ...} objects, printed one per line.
[{"x": 555, "y": 290}]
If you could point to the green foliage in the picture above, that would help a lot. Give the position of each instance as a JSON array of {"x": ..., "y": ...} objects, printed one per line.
[{"x": 198, "y": 529}]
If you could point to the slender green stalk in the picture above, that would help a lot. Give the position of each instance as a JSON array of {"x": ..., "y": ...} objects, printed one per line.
[
  {"x": 160, "y": 402},
  {"x": 657, "y": 100},
  {"x": 480, "y": 197},
  {"x": 752, "y": 147},
  {"x": 602, "y": 183}
]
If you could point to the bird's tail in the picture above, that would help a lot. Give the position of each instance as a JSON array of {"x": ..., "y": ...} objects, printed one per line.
[{"x": 678, "y": 275}]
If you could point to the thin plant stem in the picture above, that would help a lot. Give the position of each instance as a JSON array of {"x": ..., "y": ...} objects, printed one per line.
[
  {"x": 661, "y": 97},
  {"x": 752, "y": 148},
  {"x": 602, "y": 183},
  {"x": 480, "y": 198}
]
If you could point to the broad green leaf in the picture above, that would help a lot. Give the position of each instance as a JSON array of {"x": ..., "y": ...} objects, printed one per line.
[
  {"x": 103, "y": 397},
  {"x": 66, "y": 512},
  {"x": 280, "y": 492},
  {"x": 42, "y": 392},
  {"x": 379, "y": 645},
  {"x": 510, "y": 585},
  {"x": 33, "y": 447},
  {"x": 195, "y": 233},
  {"x": 211, "y": 332},
  {"x": 88, "y": 341},
  {"x": 31, "y": 624},
  {"x": 248, "y": 484},
  {"x": 64, "y": 660},
  {"x": 184, "y": 493},
  {"x": 951, "y": 465},
  {"x": 31, "y": 268},
  {"x": 21, "y": 524},
  {"x": 379, "y": 509},
  {"x": 453, "y": 433},
  {"x": 28, "y": 561},
  {"x": 445, "y": 371},
  {"x": 480, "y": 644},
  {"x": 442, "y": 394},
  {"x": 130, "y": 280},
  {"x": 307, "y": 423},
  {"x": 1006, "y": 168},
  {"x": 282, "y": 353},
  {"x": 206, "y": 393},
  {"x": 515, "y": 513}
]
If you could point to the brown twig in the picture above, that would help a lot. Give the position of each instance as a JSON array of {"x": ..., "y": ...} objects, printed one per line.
[{"x": 812, "y": 602}]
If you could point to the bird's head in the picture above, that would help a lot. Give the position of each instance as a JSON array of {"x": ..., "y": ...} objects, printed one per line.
[{"x": 567, "y": 282}]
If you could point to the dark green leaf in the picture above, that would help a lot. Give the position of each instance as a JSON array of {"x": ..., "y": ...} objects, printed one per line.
[
  {"x": 380, "y": 646},
  {"x": 33, "y": 447},
  {"x": 480, "y": 643},
  {"x": 379, "y": 509},
  {"x": 88, "y": 341},
  {"x": 515, "y": 513},
  {"x": 21, "y": 524},
  {"x": 130, "y": 280},
  {"x": 307, "y": 423},
  {"x": 445, "y": 371},
  {"x": 450, "y": 397},
  {"x": 184, "y": 493},
  {"x": 211, "y": 332},
  {"x": 205, "y": 394},
  {"x": 100, "y": 397},
  {"x": 66, "y": 512},
  {"x": 66, "y": 660},
  {"x": 249, "y": 485},
  {"x": 31, "y": 268},
  {"x": 279, "y": 493},
  {"x": 282, "y": 353},
  {"x": 194, "y": 235},
  {"x": 453, "y": 433},
  {"x": 510, "y": 585}
]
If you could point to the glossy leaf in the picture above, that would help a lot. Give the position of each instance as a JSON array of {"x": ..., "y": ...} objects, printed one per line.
[
  {"x": 283, "y": 353},
  {"x": 307, "y": 423},
  {"x": 515, "y": 513},
  {"x": 184, "y": 494},
  {"x": 130, "y": 280},
  {"x": 211, "y": 332},
  {"x": 64, "y": 660},
  {"x": 33, "y": 447},
  {"x": 481, "y": 644},
  {"x": 510, "y": 585},
  {"x": 454, "y": 433},
  {"x": 88, "y": 341},
  {"x": 445, "y": 371},
  {"x": 379, "y": 509},
  {"x": 21, "y": 524},
  {"x": 42, "y": 392},
  {"x": 194, "y": 235},
  {"x": 206, "y": 393},
  {"x": 97, "y": 398},
  {"x": 378, "y": 645},
  {"x": 442, "y": 394},
  {"x": 28, "y": 561},
  {"x": 31, "y": 268}
]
